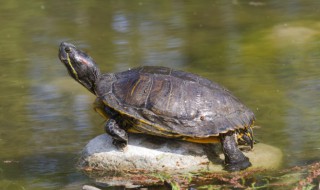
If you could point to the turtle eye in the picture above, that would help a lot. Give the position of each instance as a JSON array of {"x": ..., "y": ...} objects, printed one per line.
[{"x": 67, "y": 49}]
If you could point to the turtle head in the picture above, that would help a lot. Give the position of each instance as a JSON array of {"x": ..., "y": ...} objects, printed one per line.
[{"x": 80, "y": 66}]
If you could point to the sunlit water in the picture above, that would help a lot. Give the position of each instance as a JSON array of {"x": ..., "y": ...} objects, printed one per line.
[{"x": 266, "y": 52}]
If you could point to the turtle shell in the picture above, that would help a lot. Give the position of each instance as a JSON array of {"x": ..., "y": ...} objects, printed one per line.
[{"x": 170, "y": 103}]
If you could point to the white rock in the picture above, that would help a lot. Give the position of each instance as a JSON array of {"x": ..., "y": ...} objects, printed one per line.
[
  {"x": 89, "y": 187},
  {"x": 148, "y": 154}
]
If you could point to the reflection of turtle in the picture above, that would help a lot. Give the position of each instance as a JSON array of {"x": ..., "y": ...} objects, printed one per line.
[{"x": 164, "y": 102}]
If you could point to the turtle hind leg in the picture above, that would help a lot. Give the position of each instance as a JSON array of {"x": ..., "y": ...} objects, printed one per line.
[
  {"x": 235, "y": 160},
  {"x": 120, "y": 136}
]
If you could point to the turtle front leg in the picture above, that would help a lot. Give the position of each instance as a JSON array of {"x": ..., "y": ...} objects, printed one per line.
[
  {"x": 234, "y": 159},
  {"x": 120, "y": 136}
]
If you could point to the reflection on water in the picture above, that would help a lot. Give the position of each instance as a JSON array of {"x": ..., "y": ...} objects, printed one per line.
[
  {"x": 303, "y": 116},
  {"x": 141, "y": 41},
  {"x": 267, "y": 53}
]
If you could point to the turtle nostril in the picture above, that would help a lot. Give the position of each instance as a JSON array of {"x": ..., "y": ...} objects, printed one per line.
[{"x": 67, "y": 49}]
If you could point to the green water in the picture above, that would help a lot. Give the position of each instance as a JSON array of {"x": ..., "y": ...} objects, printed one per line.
[{"x": 266, "y": 52}]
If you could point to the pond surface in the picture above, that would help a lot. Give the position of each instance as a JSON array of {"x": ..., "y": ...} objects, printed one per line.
[{"x": 266, "y": 52}]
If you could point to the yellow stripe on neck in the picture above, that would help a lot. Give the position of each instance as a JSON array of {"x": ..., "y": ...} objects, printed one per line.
[{"x": 73, "y": 70}]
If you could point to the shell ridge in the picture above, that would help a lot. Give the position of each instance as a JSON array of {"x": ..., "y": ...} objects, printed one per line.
[
  {"x": 148, "y": 95},
  {"x": 170, "y": 94}
]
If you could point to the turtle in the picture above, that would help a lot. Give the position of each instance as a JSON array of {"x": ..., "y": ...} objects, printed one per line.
[{"x": 164, "y": 102}]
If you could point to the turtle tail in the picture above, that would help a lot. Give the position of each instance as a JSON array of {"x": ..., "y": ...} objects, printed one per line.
[{"x": 245, "y": 136}]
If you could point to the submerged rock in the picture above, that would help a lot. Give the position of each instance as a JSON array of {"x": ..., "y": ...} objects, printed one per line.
[{"x": 150, "y": 158}]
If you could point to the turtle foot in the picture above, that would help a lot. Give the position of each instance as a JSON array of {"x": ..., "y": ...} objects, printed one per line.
[
  {"x": 121, "y": 145},
  {"x": 237, "y": 166}
]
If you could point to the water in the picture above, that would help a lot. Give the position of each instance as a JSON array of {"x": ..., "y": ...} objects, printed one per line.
[{"x": 266, "y": 52}]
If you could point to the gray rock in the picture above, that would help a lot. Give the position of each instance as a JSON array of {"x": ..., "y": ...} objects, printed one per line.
[{"x": 150, "y": 155}]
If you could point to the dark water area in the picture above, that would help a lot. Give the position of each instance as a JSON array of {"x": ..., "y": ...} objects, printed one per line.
[{"x": 266, "y": 52}]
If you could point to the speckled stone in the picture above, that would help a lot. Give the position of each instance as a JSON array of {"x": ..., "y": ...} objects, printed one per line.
[{"x": 149, "y": 154}]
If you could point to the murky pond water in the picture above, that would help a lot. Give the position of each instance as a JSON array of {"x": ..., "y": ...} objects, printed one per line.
[{"x": 266, "y": 52}]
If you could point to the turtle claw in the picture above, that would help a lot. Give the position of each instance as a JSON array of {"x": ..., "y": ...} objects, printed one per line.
[
  {"x": 121, "y": 145},
  {"x": 232, "y": 167}
]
